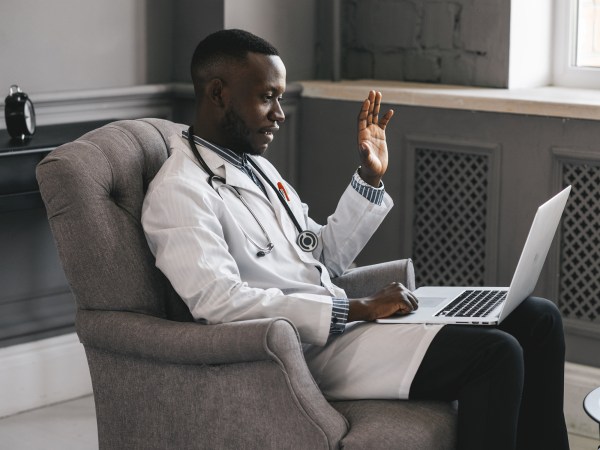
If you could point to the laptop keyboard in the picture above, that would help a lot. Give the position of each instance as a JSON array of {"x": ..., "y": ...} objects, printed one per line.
[{"x": 473, "y": 303}]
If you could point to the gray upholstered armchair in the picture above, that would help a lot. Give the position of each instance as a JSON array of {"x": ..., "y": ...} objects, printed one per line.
[{"x": 159, "y": 379}]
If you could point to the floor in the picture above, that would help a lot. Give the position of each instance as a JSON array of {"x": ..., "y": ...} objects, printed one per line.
[
  {"x": 72, "y": 426},
  {"x": 65, "y": 426}
]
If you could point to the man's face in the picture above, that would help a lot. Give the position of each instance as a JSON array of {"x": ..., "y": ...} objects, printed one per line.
[{"x": 252, "y": 104}]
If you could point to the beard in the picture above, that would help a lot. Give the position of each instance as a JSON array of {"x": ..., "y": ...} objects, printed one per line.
[{"x": 238, "y": 133}]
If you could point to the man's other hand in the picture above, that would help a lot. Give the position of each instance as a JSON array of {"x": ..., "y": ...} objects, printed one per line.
[
  {"x": 372, "y": 146},
  {"x": 395, "y": 298}
]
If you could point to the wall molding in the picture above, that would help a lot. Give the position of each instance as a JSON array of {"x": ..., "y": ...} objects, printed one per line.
[
  {"x": 153, "y": 100},
  {"x": 133, "y": 102}
]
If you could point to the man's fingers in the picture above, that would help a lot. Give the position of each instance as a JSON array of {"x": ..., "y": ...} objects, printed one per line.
[
  {"x": 385, "y": 120},
  {"x": 369, "y": 113},
  {"x": 408, "y": 301},
  {"x": 409, "y": 305},
  {"x": 363, "y": 115},
  {"x": 411, "y": 300},
  {"x": 376, "y": 105},
  {"x": 414, "y": 301},
  {"x": 371, "y": 100}
]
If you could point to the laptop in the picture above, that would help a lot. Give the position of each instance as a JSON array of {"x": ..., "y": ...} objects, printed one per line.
[{"x": 491, "y": 305}]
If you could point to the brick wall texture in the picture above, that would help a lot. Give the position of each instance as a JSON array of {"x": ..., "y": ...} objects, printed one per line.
[{"x": 464, "y": 42}]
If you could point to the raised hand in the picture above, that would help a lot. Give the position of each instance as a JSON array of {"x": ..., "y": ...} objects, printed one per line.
[{"x": 372, "y": 146}]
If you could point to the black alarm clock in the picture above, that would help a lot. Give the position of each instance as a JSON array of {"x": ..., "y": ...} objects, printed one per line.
[{"x": 19, "y": 114}]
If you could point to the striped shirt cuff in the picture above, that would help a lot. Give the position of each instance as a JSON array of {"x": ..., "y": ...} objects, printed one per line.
[
  {"x": 339, "y": 315},
  {"x": 374, "y": 195}
]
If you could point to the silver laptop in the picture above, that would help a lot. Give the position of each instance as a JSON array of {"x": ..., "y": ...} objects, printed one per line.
[{"x": 491, "y": 305}]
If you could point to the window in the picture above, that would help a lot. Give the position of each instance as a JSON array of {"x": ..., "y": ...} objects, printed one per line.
[
  {"x": 577, "y": 43},
  {"x": 587, "y": 50}
]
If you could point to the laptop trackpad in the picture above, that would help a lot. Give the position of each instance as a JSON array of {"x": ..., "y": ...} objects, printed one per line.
[{"x": 431, "y": 302}]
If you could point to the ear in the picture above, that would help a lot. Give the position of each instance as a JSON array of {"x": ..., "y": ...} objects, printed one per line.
[{"x": 214, "y": 91}]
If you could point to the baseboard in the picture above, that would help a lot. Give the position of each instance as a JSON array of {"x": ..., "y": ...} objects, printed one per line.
[
  {"x": 41, "y": 373},
  {"x": 579, "y": 381}
]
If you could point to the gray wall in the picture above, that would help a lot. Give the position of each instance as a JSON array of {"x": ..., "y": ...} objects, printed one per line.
[
  {"x": 462, "y": 42},
  {"x": 66, "y": 45},
  {"x": 192, "y": 21},
  {"x": 70, "y": 45},
  {"x": 290, "y": 25}
]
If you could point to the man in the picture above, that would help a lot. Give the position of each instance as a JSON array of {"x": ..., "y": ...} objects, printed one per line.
[{"x": 237, "y": 243}]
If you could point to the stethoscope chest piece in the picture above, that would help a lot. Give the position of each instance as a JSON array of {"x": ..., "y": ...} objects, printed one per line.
[{"x": 307, "y": 241}]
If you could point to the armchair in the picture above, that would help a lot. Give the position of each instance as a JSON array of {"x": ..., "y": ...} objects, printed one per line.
[{"x": 161, "y": 380}]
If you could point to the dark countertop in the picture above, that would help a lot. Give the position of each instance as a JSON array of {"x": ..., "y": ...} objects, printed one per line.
[
  {"x": 18, "y": 160},
  {"x": 46, "y": 137}
]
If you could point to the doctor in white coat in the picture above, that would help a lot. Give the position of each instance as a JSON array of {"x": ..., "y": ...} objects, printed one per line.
[
  {"x": 236, "y": 242},
  {"x": 229, "y": 247}
]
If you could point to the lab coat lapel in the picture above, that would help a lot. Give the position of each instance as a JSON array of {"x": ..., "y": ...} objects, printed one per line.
[
  {"x": 235, "y": 177},
  {"x": 288, "y": 227}
]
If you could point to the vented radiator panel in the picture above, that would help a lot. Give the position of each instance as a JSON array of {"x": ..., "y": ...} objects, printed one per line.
[
  {"x": 450, "y": 217},
  {"x": 579, "y": 261}
]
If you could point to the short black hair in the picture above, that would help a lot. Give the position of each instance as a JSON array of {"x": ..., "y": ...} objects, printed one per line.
[{"x": 230, "y": 44}]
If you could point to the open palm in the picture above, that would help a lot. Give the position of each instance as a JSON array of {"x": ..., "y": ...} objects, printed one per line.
[{"x": 372, "y": 146}]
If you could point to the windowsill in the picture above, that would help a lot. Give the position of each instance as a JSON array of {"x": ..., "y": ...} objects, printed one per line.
[{"x": 543, "y": 101}]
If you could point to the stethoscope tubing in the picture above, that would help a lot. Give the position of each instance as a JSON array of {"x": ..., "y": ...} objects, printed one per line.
[
  {"x": 307, "y": 240},
  {"x": 288, "y": 210},
  {"x": 262, "y": 250}
]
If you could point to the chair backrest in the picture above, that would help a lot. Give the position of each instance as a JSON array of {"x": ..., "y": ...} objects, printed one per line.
[{"x": 93, "y": 189}]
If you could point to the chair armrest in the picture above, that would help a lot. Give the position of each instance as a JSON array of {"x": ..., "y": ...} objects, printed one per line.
[
  {"x": 145, "y": 336},
  {"x": 179, "y": 346},
  {"x": 366, "y": 280}
]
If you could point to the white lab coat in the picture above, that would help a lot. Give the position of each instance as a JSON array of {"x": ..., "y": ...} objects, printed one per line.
[
  {"x": 199, "y": 243},
  {"x": 197, "y": 237}
]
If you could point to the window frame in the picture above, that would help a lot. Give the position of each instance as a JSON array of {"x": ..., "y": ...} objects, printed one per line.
[{"x": 565, "y": 73}]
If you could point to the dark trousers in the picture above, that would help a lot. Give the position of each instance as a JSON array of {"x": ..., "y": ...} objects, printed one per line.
[{"x": 508, "y": 380}]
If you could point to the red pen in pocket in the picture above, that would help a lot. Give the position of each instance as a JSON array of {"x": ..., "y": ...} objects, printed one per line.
[{"x": 282, "y": 190}]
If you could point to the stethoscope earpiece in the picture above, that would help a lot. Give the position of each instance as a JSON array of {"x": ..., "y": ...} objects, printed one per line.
[{"x": 264, "y": 251}]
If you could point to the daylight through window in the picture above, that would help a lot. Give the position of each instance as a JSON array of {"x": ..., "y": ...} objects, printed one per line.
[{"x": 588, "y": 33}]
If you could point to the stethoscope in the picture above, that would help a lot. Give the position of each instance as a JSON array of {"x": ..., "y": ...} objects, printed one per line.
[{"x": 306, "y": 240}]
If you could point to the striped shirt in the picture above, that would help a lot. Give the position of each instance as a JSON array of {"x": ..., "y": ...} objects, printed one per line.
[
  {"x": 339, "y": 315},
  {"x": 340, "y": 306},
  {"x": 373, "y": 194}
]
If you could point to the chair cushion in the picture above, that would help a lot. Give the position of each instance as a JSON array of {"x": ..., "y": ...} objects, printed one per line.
[{"x": 393, "y": 424}]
